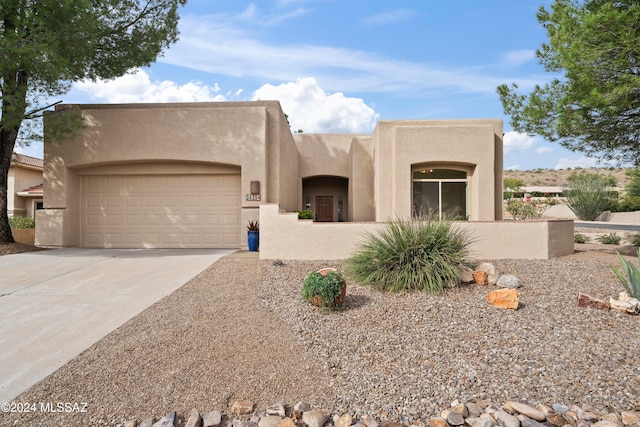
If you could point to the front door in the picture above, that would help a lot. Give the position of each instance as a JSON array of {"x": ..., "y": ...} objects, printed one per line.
[{"x": 324, "y": 208}]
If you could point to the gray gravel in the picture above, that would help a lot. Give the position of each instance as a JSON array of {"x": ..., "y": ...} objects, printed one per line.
[{"x": 239, "y": 331}]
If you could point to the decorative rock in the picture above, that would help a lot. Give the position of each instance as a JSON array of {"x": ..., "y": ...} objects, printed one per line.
[
  {"x": 479, "y": 422},
  {"x": 474, "y": 409},
  {"x": 591, "y": 302},
  {"x": 507, "y": 420},
  {"x": 287, "y": 422},
  {"x": 545, "y": 408},
  {"x": 194, "y": 419},
  {"x": 391, "y": 424},
  {"x": 490, "y": 269},
  {"x": 344, "y": 421},
  {"x": 241, "y": 423},
  {"x": 630, "y": 417},
  {"x": 508, "y": 281},
  {"x": 481, "y": 278},
  {"x": 147, "y": 423},
  {"x": 531, "y": 423},
  {"x": 504, "y": 298},
  {"x": 466, "y": 274},
  {"x": 300, "y": 408},
  {"x": 211, "y": 419},
  {"x": 168, "y": 420},
  {"x": 461, "y": 409},
  {"x": 611, "y": 417},
  {"x": 559, "y": 408},
  {"x": 455, "y": 419},
  {"x": 315, "y": 418},
  {"x": 270, "y": 421},
  {"x": 437, "y": 422},
  {"x": 625, "y": 304},
  {"x": 241, "y": 407},
  {"x": 606, "y": 423},
  {"x": 276, "y": 409},
  {"x": 561, "y": 419},
  {"x": 527, "y": 410},
  {"x": 130, "y": 423},
  {"x": 369, "y": 421}
]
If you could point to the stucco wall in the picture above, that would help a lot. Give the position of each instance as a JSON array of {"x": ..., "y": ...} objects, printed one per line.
[
  {"x": 245, "y": 135},
  {"x": 475, "y": 145},
  {"x": 21, "y": 178},
  {"x": 283, "y": 236}
]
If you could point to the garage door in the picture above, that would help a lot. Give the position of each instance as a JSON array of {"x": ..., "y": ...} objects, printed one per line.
[{"x": 160, "y": 211}]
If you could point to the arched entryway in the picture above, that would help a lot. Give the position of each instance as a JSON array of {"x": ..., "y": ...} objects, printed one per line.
[{"x": 326, "y": 197}]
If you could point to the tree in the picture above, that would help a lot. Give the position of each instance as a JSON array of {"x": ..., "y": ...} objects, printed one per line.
[
  {"x": 593, "y": 106},
  {"x": 515, "y": 184},
  {"x": 47, "y": 45}
]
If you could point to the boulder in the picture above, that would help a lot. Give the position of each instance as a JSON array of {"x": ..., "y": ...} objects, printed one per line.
[{"x": 504, "y": 298}]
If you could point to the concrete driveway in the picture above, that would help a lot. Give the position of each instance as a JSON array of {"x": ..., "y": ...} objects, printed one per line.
[{"x": 55, "y": 304}]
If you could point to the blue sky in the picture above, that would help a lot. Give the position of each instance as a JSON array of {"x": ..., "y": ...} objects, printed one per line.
[{"x": 342, "y": 65}]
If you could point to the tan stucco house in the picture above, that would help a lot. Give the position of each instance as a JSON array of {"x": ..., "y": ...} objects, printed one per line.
[
  {"x": 24, "y": 188},
  {"x": 193, "y": 175}
]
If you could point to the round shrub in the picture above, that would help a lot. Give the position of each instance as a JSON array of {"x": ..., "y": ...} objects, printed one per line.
[
  {"x": 407, "y": 255},
  {"x": 327, "y": 287}
]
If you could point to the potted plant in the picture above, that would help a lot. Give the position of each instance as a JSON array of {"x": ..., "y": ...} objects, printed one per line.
[
  {"x": 253, "y": 235},
  {"x": 324, "y": 288}
]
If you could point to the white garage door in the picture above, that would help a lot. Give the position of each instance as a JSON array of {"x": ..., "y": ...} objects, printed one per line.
[{"x": 160, "y": 211}]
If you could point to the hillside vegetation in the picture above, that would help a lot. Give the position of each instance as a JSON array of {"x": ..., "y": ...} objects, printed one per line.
[{"x": 558, "y": 177}]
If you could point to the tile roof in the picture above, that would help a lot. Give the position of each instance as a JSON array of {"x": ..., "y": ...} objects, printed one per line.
[
  {"x": 21, "y": 159},
  {"x": 35, "y": 190}
]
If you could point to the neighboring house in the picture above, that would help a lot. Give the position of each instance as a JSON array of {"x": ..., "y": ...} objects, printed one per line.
[
  {"x": 25, "y": 188},
  {"x": 194, "y": 174}
]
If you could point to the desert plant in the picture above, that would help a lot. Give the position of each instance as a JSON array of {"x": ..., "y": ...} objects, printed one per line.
[
  {"x": 253, "y": 226},
  {"x": 18, "y": 222},
  {"x": 580, "y": 238},
  {"x": 631, "y": 282},
  {"x": 588, "y": 196},
  {"x": 422, "y": 255},
  {"x": 635, "y": 240},
  {"x": 610, "y": 239},
  {"x": 328, "y": 287}
]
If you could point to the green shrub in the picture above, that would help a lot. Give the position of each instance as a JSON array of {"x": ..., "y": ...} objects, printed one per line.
[
  {"x": 422, "y": 255},
  {"x": 328, "y": 288},
  {"x": 588, "y": 197},
  {"x": 18, "y": 222},
  {"x": 635, "y": 240},
  {"x": 610, "y": 239},
  {"x": 305, "y": 214},
  {"x": 580, "y": 238},
  {"x": 631, "y": 283}
]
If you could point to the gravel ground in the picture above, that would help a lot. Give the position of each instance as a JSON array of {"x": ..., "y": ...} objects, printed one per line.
[{"x": 239, "y": 331}]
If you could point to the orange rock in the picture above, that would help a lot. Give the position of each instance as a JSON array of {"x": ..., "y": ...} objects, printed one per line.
[
  {"x": 481, "y": 277},
  {"x": 504, "y": 298}
]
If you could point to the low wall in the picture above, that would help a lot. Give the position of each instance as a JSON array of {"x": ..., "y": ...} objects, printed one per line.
[
  {"x": 24, "y": 235},
  {"x": 283, "y": 236}
]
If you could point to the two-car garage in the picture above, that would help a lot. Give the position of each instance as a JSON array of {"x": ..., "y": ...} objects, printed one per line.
[{"x": 160, "y": 211}]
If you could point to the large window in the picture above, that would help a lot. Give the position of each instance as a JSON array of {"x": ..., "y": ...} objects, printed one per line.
[{"x": 440, "y": 192}]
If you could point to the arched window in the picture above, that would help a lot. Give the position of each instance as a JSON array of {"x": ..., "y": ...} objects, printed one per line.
[{"x": 440, "y": 192}]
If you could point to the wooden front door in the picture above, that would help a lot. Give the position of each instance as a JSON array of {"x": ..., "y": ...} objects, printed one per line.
[{"x": 324, "y": 208}]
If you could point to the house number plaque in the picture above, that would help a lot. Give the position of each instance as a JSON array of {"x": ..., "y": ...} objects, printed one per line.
[{"x": 253, "y": 197}]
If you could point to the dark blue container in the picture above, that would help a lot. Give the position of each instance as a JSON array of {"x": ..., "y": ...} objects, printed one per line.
[{"x": 254, "y": 240}]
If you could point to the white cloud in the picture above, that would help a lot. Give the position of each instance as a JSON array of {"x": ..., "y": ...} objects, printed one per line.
[
  {"x": 138, "y": 87},
  {"x": 543, "y": 150},
  {"x": 583, "y": 162},
  {"x": 313, "y": 110},
  {"x": 515, "y": 141},
  {"x": 233, "y": 46},
  {"x": 513, "y": 167},
  {"x": 519, "y": 57},
  {"x": 388, "y": 18}
]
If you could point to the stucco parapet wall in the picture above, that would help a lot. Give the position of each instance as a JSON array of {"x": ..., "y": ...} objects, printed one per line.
[{"x": 284, "y": 236}]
